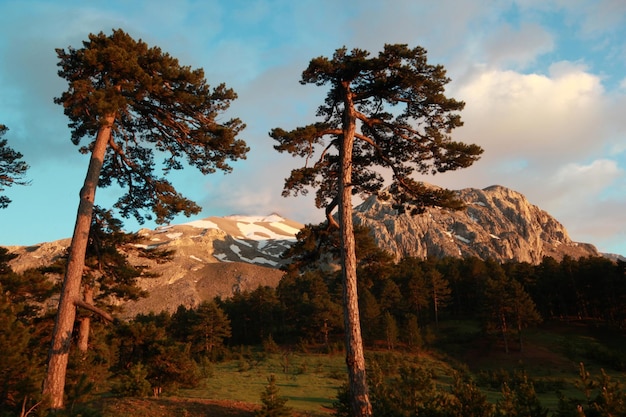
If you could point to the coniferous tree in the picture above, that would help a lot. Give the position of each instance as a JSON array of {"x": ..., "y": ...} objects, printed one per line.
[
  {"x": 412, "y": 278},
  {"x": 108, "y": 276},
  {"x": 468, "y": 399},
  {"x": 136, "y": 101},
  {"x": 273, "y": 403},
  {"x": 23, "y": 325},
  {"x": 12, "y": 167},
  {"x": 145, "y": 340},
  {"x": 27, "y": 290},
  {"x": 388, "y": 111},
  {"x": 309, "y": 310},
  {"x": 205, "y": 327},
  {"x": 19, "y": 365},
  {"x": 391, "y": 299},
  {"x": 524, "y": 311},
  {"x": 412, "y": 333},
  {"x": 507, "y": 307},
  {"x": 439, "y": 291},
  {"x": 391, "y": 330}
]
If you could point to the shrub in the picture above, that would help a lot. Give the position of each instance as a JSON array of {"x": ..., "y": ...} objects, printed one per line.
[{"x": 133, "y": 383}]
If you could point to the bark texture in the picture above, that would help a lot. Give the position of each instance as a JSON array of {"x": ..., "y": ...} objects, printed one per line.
[
  {"x": 85, "y": 321},
  {"x": 355, "y": 358},
  {"x": 54, "y": 383}
]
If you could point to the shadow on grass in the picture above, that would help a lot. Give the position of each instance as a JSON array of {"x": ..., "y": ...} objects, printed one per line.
[{"x": 165, "y": 407}]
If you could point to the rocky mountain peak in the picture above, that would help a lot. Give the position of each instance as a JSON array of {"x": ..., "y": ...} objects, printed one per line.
[{"x": 498, "y": 223}]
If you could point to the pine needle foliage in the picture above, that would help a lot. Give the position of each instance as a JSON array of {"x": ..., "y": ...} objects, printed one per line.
[
  {"x": 403, "y": 121},
  {"x": 160, "y": 107},
  {"x": 273, "y": 403},
  {"x": 12, "y": 167}
]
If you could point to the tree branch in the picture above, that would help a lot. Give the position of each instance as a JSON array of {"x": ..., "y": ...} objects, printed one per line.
[
  {"x": 332, "y": 223},
  {"x": 105, "y": 315}
]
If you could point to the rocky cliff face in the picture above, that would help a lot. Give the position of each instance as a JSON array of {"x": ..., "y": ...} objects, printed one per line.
[{"x": 498, "y": 223}]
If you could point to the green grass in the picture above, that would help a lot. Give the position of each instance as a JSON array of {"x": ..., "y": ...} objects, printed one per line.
[
  {"x": 309, "y": 381},
  {"x": 551, "y": 357}
]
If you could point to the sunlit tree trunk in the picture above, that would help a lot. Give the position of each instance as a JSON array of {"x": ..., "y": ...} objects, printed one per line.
[
  {"x": 355, "y": 358},
  {"x": 54, "y": 383},
  {"x": 85, "y": 322}
]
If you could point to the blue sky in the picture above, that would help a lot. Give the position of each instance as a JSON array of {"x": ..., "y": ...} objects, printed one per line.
[{"x": 544, "y": 83}]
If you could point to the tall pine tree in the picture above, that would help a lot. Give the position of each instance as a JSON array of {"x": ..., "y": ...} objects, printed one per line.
[
  {"x": 388, "y": 112},
  {"x": 136, "y": 101}
]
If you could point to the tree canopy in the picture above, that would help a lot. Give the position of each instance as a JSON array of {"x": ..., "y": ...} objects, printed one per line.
[
  {"x": 404, "y": 125},
  {"x": 12, "y": 167},
  {"x": 160, "y": 108}
]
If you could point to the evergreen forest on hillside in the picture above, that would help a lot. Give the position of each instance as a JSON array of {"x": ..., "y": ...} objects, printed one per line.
[{"x": 411, "y": 309}]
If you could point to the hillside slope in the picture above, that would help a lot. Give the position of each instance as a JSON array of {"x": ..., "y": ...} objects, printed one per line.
[{"x": 216, "y": 256}]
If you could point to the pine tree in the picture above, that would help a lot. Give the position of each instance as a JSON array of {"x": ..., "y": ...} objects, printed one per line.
[
  {"x": 18, "y": 363},
  {"x": 440, "y": 292},
  {"x": 468, "y": 399},
  {"x": 391, "y": 330},
  {"x": 506, "y": 307},
  {"x": 390, "y": 112},
  {"x": 12, "y": 167},
  {"x": 137, "y": 102},
  {"x": 273, "y": 403},
  {"x": 206, "y": 327}
]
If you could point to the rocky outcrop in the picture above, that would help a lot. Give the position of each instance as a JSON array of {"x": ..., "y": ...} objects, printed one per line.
[{"x": 498, "y": 223}]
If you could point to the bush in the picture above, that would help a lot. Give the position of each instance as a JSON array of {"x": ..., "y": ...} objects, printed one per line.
[{"x": 133, "y": 383}]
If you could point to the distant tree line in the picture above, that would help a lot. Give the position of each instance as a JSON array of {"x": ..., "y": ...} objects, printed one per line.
[{"x": 401, "y": 302}]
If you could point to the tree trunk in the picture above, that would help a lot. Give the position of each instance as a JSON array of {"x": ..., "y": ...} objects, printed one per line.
[
  {"x": 54, "y": 383},
  {"x": 436, "y": 306},
  {"x": 85, "y": 323},
  {"x": 355, "y": 358},
  {"x": 504, "y": 332}
]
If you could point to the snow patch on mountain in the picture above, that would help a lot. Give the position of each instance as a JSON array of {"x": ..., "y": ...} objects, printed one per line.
[{"x": 237, "y": 238}]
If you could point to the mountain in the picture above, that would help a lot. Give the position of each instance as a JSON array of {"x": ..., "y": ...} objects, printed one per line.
[
  {"x": 216, "y": 256},
  {"x": 498, "y": 223},
  {"x": 219, "y": 256}
]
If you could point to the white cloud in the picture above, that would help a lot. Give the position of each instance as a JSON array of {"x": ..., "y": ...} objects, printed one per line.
[
  {"x": 555, "y": 137},
  {"x": 579, "y": 182},
  {"x": 516, "y": 115}
]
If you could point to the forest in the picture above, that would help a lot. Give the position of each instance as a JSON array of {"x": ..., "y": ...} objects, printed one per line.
[{"x": 407, "y": 307}]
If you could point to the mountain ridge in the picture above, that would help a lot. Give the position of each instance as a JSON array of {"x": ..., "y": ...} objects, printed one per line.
[
  {"x": 497, "y": 223},
  {"x": 220, "y": 256}
]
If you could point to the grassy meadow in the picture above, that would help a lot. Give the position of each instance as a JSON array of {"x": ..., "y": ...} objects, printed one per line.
[{"x": 551, "y": 358}]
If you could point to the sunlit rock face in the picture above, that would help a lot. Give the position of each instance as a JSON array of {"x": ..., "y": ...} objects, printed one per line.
[{"x": 498, "y": 223}]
